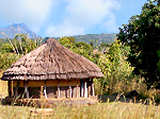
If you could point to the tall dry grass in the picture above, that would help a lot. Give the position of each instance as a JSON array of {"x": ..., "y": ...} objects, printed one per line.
[
  {"x": 124, "y": 87},
  {"x": 98, "y": 111},
  {"x": 3, "y": 87}
]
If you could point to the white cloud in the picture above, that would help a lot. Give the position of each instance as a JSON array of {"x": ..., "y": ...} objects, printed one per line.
[
  {"x": 65, "y": 29},
  {"x": 90, "y": 11},
  {"x": 80, "y": 15},
  {"x": 110, "y": 24},
  {"x": 32, "y": 12}
]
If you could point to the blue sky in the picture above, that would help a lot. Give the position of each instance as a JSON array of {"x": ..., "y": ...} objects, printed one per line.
[{"x": 69, "y": 17}]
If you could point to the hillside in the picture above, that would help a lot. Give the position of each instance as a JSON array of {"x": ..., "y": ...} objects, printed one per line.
[
  {"x": 107, "y": 38},
  {"x": 99, "y": 38},
  {"x": 14, "y": 29}
]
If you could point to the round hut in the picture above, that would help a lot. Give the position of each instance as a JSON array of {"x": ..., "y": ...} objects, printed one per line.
[{"x": 51, "y": 71}]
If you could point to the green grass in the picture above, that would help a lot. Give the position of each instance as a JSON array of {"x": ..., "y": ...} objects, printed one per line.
[{"x": 114, "y": 110}]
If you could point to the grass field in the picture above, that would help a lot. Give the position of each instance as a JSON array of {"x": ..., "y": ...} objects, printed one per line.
[{"x": 115, "y": 110}]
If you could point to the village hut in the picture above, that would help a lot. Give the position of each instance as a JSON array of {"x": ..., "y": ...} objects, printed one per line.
[{"x": 51, "y": 71}]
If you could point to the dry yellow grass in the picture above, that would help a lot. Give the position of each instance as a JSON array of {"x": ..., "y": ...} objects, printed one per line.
[
  {"x": 114, "y": 110},
  {"x": 3, "y": 87}
]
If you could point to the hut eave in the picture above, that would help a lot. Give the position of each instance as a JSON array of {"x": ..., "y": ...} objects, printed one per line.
[{"x": 52, "y": 76}]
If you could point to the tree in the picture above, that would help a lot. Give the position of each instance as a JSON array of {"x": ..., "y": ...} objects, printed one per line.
[
  {"x": 7, "y": 59},
  {"x": 23, "y": 45},
  {"x": 142, "y": 34},
  {"x": 20, "y": 45},
  {"x": 12, "y": 50},
  {"x": 112, "y": 62},
  {"x": 68, "y": 42},
  {"x": 81, "y": 48},
  {"x": 6, "y": 48},
  {"x": 114, "y": 65}
]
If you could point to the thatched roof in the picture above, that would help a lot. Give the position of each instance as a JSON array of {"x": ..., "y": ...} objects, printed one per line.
[{"x": 52, "y": 61}]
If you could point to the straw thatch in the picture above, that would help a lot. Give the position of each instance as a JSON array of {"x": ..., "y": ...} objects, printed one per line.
[{"x": 52, "y": 61}]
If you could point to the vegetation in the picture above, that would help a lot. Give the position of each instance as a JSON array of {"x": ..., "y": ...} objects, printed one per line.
[
  {"x": 95, "y": 39},
  {"x": 111, "y": 60},
  {"x": 7, "y": 59},
  {"x": 114, "y": 66},
  {"x": 12, "y": 49},
  {"x": 114, "y": 110},
  {"x": 100, "y": 38},
  {"x": 142, "y": 35}
]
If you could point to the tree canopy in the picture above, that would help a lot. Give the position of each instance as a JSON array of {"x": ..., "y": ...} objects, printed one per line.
[
  {"x": 142, "y": 34},
  {"x": 12, "y": 49},
  {"x": 111, "y": 59}
]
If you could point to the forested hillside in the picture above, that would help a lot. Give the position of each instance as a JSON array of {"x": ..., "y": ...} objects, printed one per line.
[
  {"x": 93, "y": 38},
  {"x": 100, "y": 38}
]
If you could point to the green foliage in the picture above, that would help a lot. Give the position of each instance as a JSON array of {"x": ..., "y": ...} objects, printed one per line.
[
  {"x": 1, "y": 42},
  {"x": 67, "y": 42},
  {"x": 112, "y": 60},
  {"x": 6, "y": 60},
  {"x": 114, "y": 65},
  {"x": 100, "y": 38},
  {"x": 81, "y": 48},
  {"x": 142, "y": 35},
  {"x": 6, "y": 48},
  {"x": 22, "y": 44},
  {"x": 11, "y": 50}
]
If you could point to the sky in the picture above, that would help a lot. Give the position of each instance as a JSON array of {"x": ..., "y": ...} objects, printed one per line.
[{"x": 69, "y": 17}]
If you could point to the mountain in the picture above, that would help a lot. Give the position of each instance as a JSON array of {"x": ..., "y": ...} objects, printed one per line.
[
  {"x": 105, "y": 38},
  {"x": 14, "y": 29},
  {"x": 99, "y": 38}
]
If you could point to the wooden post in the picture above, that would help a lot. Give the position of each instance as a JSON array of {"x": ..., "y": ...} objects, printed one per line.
[
  {"x": 12, "y": 91},
  {"x": 59, "y": 92},
  {"x": 17, "y": 86},
  {"x": 70, "y": 91},
  {"x": 93, "y": 93},
  {"x": 82, "y": 91},
  {"x": 89, "y": 89},
  {"x": 41, "y": 93},
  {"x": 26, "y": 89},
  {"x": 9, "y": 88},
  {"x": 45, "y": 89},
  {"x": 85, "y": 89},
  {"x": 77, "y": 91}
]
